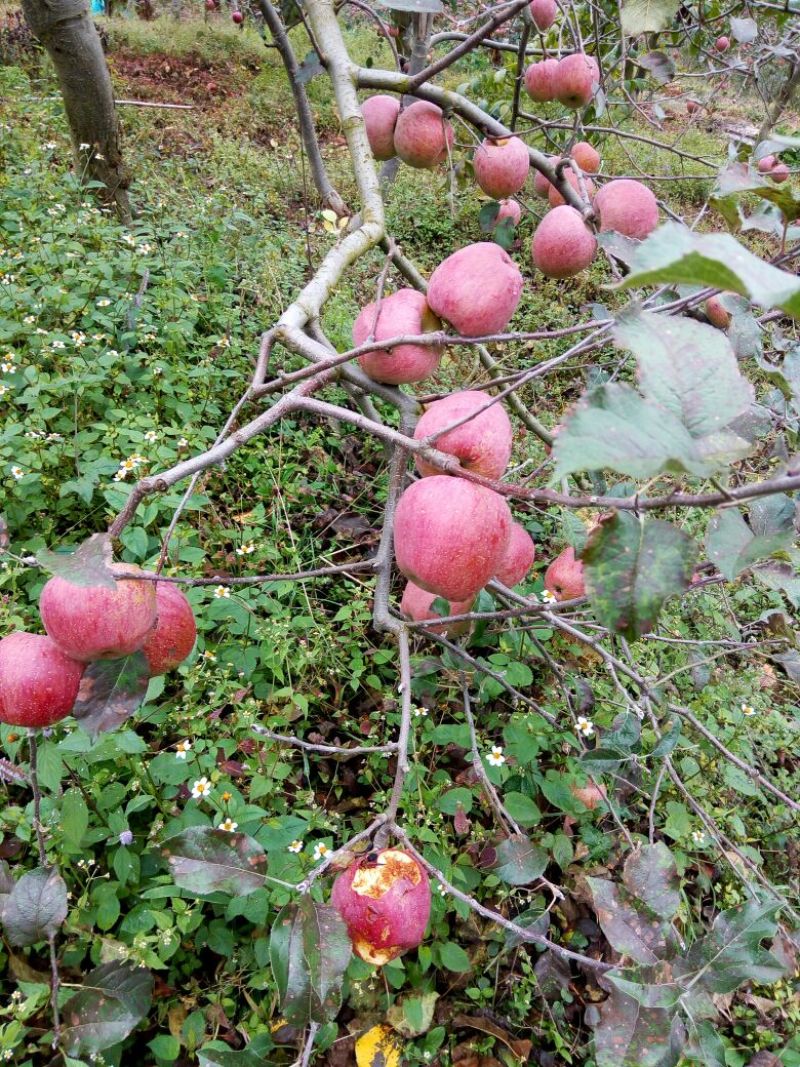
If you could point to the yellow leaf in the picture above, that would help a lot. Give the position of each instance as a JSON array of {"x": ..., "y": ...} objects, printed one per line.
[
  {"x": 330, "y": 216},
  {"x": 378, "y": 1047}
]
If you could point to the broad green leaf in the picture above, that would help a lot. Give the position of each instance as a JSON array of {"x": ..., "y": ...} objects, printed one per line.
[
  {"x": 110, "y": 692},
  {"x": 632, "y": 567},
  {"x": 112, "y": 1000},
  {"x": 74, "y": 817},
  {"x": 212, "y": 1057},
  {"x": 651, "y": 875},
  {"x": 674, "y": 253},
  {"x": 705, "y": 1046},
  {"x": 36, "y": 907},
  {"x": 733, "y": 546},
  {"x": 309, "y": 950},
  {"x": 629, "y": 1035},
  {"x": 740, "y": 180},
  {"x": 626, "y": 925},
  {"x": 519, "y": 861},
  {"x": 522, "y": 809},
  {"x": 686, "y": 367},
  {"x": 215, "y": 861},
  {"x": 454, "y": 958},
  {"x": 87, "y": 565},
  {"x": 413, "y": 1015},
  {"x": 648, "y": 994},
  {"x": 731, "y": 953},
  {"x": 647, "y": 16},
  {"x": 780, "y": 576}
]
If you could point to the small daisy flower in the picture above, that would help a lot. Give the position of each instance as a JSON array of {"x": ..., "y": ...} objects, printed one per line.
[
  {"x": 157, "y": 371},
  {"x": 246, "y": 549},
  {"x": 748, "y": 710},
  {"x": 183, "y": 443},
  {"x": 698, "y": 837},
  {"x": 548, "y": 597},
  {"x": 182, "y": 749},
  {"x": 296, "y": 846},
  {"x": 103, "y": 302},
  {"x": 209, "y": 657},
  {"x": 3, "y": 389},
  {"x": 320, "y": 851},
  {"x": 584, "y": 726},
  {"x": 496, "y": 757},
  {"x": 222, "y": 592},
  {"x": 84, "y": 147},
  {"x": 442, "y": 890},
  {"x": 151, "y": 436},
  {"x": 29, "y": 320},
  {"x": 48, "y": 146},
  {"x": 17, "y": 473},
  {"x": 201, "y": 788},
  {"x": 224, "y": 341},
  {"x": 226, "y": 797},
  {"x": 420, "y": 713},
  {"x": 228, "y": 825},
  {"x": 57, "y": 344}
]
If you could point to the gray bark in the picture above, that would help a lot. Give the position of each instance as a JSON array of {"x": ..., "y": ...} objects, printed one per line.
[{"x": 66, "y": 30}]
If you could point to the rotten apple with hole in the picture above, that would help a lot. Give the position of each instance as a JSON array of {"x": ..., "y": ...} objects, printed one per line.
[
  {"x": 476, "y": 290},
  {"x": 564, "y": 577},
  {"x": 404, "y": 312},
  {"x": 384, "y": 899},
  {"x": 422, "y": 135},
  {"x": 450, "y": 536},
  {"x": 91, "y": 622},
  {"x": 38, "y": 682},
  {"x": 482, "y": 445},
  {"x": 380, "y": 118},
  {"x": 173, "y": 636}
]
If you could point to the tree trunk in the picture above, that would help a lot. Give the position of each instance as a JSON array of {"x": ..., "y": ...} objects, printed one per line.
[{"x": 68, "y": 34}]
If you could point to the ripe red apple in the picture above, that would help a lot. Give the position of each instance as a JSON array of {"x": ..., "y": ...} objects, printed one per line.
[
  {"x": 563, "y": 245},
  {"x": 38, "y": 683},
  {"x": 518, "y": 557},
  {"x": 501, "y": 166},
  {"x": 541, "y": 184},
  {"x": 575, "y": 79},
  {"x": 416, "y": 604},
  {"x": 483, "y": 445},
  {"x": 765, "y": 164},
  {"x": 555, "y": 198},
  {"x": 586, "y": 156},
  {"x": 509, "y": 209},
  {"x": 210, "y": 5},
  {"x": 95, "y": 622},
  {"x": 450, "y": 536},
  {"x": 692, "y": 106},
  {"x": 540, "y": 80},
  {"x": 422, "y": 135},
  {"x": 564, "y": 577},
  {"x": 380, "y": 117},
  {"x": 779, "y": 173},
  {"x": 237, "y": 17},
  {"x": 385, "y": 903},
  {"x": 543, "y": 13},
  {"x": 173, "y": 637},
  {"x": 404, "y": 312},
  {"x": 628, "y": 207},
  {"x": 717, "y": 315},
  {"x": 722, "y": 44},
  {"x": 476, "y": 290}
]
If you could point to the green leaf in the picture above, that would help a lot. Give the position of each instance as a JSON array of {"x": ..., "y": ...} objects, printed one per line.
[
  {"x": 563, "y": 851},
  {"x": 733, "y": 546},
  {"x": 651, "y": 875},
  {"x": 87, "y": 565},
  {"x": 739, "y": 180},
  {"x": 449, "y": 802},
  {"x": 309, "y": 950},
  {"x": 110, "y": 692},
  {"x": 413, "y": 1014},
  {"x": 705, "y": 1045},
  {"x": 36, "y": 906},
  {"x": 74, "y": 817},
  {"x": 519, "y": 861},
  {"x": 631, "y": 567},
  {"x": 647, "y": 16},
  {"x": 648, "y": 994},
  {"x": 686, "y": 367},
  {"x": 215, "y": 861},
  {"x": 211, "y": 1057},
  {"x": 626, "y": 925},
  {"x": 629, "y": 1035},
  {"x": 454, "y": 958},
  {"x": 676, "y": 254},
  {"x": 522, "y": 809},
  {"x": 113, "y": 999}
]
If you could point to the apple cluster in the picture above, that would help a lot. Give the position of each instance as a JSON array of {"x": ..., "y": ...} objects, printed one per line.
[{"x": 40, "y": 674}]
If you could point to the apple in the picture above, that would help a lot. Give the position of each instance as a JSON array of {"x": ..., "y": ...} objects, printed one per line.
[
  {"x": 586, "y": 156},
  {"x": 501, "y": 166},
  {"x": 543, "y": 14},
  {"x": 403, "y": 312},
  {"x": 722, "y": 44},
  {"x": 541, "y": 184},
  {"x": 385, "y": 902},
  {"x": 540, "y": 80},
  {"x": 717, "y": 315},
  {"x": 509, "y": 209},
  {"x": 380, "y": 117},
  {"x": 765, "y": 164},
  {"x": 476, "y": 290},
  {"x": 692, "y": 106},
  {"x": 779, "y": 173},
  {"x": 628, "y": 207},
  {"x": 564, "y": 577},
  {"x": 575, "y": 79},
  {"x": 555, "y": 198},
  {"x": 450, "y": 536},
  {"x": 422, "y": 135},
  {"x": 38, "y": 682},
  {"x": 417, "y": 604},
  {"x": 173, "y": 637},
  {"x": 483, "y": 445},
  {"x": 237, "y": 17},
  {"x": 563, "y": 245},
  {"x": 90, "y": 622},
  {"x": 518, "y": 557}
]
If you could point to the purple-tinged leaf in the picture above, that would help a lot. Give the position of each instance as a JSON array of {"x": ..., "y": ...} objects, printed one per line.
[{"x": 206, "y": 861}]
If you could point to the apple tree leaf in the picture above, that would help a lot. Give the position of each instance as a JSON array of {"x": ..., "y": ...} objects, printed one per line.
[
  {"x": 35, "y": 907},
  {"x": 651, "y": 875},
  {"x": 647, "y": 16},
  {"x": 733, "y": 545},
  {"x": 519, "y": 861},
  {"x": 630, "y": 1035},
  {"x": 112, "y": 1001},
  {"x": 624, "y": 921},
  {"x": 110, "y": 692},
  {"x": 215, "y": 861},
  {"x": 86, "y": 565}
]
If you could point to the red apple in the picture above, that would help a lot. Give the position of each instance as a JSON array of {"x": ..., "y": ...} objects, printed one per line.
[
  {"x": 575, "y": 79},
  {"x": 518, "y": 557},
  {"x": 765, "y": 164},
  {"x": 173, "y": 637},
  {"x": 543, "y": 13},
  {"x": 563, "y": 245},
  {"x": 586, "y": 156},
  {"x": 417, "y": 605},
  {"x": 380, "y": 117},
  {"x": 717, "y": 315},
  {"x": 722, "y": 44},
  {"x": 385, "y": 902},
  {"x": 556, "y": 199},
  {"x": 501, "y": 166},
  {"x": 692, "y": 106},
  {"x": 628, "y": 207},
  {"x": 90, "y": 622},
  {"x": 541, "y": 184},
  {"x": 779, "y": 173},
  {"x": 509, "y": 209},
  {"x": 450, "y": 536},
  {"x": 237, "y": 17},
  {"x": 422, "y": 135},
  {"x": 404, "y": 312},
  {"x": 476, "y": 290},
  {"x": 38, "y": 683},
  {"x": 483, "y": 445},
  {"x": 564, "y": 577},
  {"x": 540, "y": 80}
]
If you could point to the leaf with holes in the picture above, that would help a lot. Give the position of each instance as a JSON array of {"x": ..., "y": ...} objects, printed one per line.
[
  {"x": 35, "y": 907},
  {"x": 87, "y": 565},
  {"x": 624, "y": 922},
  {"x": 113, "y": 999},
  {"x": 309, "y": 949},
  {"x": 214, "y": 861},
  {"x": 632, "y": 567},
  {"x": 519, "y": 861},
  {"x": 110, "y": 692},
  {"x": 629, "y": 1035},
  {"x": 651, "y": 875}
]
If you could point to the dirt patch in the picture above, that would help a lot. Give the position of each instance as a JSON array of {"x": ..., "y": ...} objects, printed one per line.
[{"x": 168, "y": 79}]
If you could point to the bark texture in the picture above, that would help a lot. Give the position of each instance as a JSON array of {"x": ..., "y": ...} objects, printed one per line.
[{"x": 68, "y": 34}]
